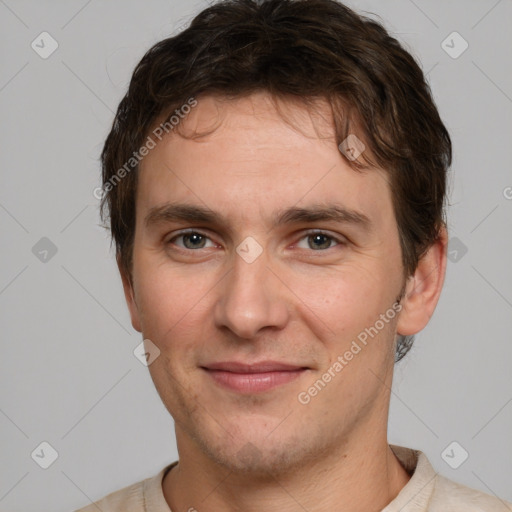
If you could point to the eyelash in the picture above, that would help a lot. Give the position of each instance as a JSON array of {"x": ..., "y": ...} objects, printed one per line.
[{"x": 305, "y": 235}]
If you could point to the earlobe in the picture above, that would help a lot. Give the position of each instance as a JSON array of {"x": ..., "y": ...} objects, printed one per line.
[
  {"x": 423, "y": 288},
  {"x": 129, "y": 295}
]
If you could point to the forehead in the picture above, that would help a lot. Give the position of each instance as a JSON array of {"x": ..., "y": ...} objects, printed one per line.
[{"x": 249, "y": 156}]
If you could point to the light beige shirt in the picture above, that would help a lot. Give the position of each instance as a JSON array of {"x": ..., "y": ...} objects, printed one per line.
[{"x": 425, "y": 491}]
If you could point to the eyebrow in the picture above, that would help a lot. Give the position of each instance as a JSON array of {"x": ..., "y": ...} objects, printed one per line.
[{"x": 172, "y": 212}]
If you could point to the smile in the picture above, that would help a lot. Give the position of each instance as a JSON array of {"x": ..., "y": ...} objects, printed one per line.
[{"x": 247, "y": 379}]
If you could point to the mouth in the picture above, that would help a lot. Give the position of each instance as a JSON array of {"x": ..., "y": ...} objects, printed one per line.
[{"x": 253, "y": 378}]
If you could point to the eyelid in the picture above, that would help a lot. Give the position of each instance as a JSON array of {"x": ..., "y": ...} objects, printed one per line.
[
  {"x": 339, "y": 239},
  {"x": 315, "y": 231},
  {"x": 188, "y": 231}
]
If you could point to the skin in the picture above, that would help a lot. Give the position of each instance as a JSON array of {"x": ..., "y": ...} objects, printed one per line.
[{"x": 202, "y": 303}]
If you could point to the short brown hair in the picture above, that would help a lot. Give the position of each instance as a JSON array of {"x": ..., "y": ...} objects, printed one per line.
[{"x": 304, "y": 49}]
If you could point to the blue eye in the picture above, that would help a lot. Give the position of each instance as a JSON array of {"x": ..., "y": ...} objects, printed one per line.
[
  {"x": 315, "y": 241},
  {"x": 319, "y": 241},
  {"x": 191, "y": 240}
]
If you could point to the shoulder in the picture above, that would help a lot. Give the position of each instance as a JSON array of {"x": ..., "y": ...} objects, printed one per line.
[
  {"x": 143, "y": 496},
  {"x": 128, "y": 499},
  {"x": 454, "y": 497},
  {"x": 429, "y": 491}
]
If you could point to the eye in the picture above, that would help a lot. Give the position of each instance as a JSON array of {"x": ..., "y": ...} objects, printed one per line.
[
  {"x": 319, "y": 241},
  {"x": 191, "y": 240},
  {"x": 314, "y": 240}
]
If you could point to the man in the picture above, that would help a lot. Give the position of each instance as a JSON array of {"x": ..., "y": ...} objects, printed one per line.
[{"x": 275, "y": 182}]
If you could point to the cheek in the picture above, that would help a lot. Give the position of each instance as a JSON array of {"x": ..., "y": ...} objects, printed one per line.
[
  {"x": 349, "y": 304},
  {"x": 344, "y": 299},
  {"x": 171, "y": 301}
]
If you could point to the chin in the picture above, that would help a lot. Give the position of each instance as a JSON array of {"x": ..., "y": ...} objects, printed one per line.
[
  {"x": 261, "y": 462},
  {"x": 260, "y": 455}
]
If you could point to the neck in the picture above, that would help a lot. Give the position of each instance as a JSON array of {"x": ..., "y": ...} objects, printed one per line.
[{"x": 363, "y": 475}]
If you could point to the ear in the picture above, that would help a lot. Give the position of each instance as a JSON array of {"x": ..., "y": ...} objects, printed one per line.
[
  {"x": 129, "y": 295},
  {"x": 423, "y": 288}
]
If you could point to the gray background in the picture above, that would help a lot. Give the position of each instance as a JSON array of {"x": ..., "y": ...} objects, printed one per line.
[{"x": 68, "y": 373}]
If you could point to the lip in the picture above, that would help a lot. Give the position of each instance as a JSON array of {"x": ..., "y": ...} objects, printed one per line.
[{"x": 253, "y": 378}]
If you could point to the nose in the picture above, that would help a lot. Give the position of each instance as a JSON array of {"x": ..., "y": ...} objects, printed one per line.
[{"x": 251, "y": 298}]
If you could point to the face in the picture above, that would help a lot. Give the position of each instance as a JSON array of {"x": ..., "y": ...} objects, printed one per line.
[{"x": 260, "y": 258}]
